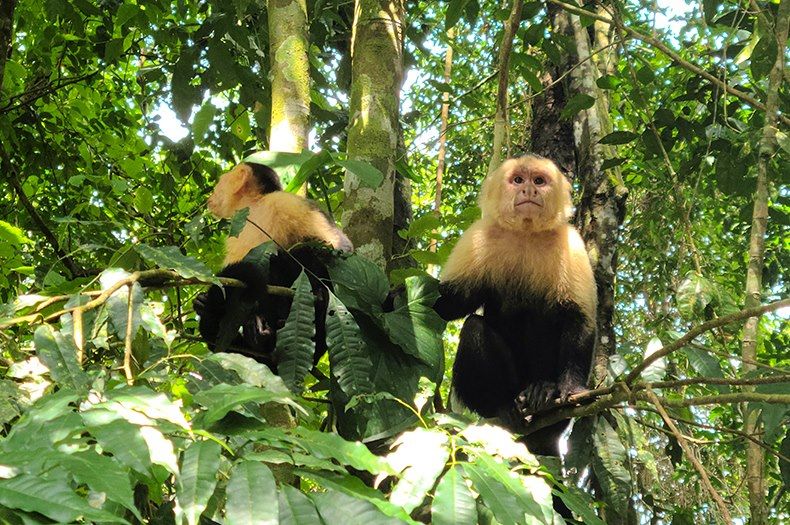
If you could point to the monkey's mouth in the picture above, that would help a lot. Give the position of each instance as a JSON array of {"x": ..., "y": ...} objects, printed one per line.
[{"x": 534, "y": 203}]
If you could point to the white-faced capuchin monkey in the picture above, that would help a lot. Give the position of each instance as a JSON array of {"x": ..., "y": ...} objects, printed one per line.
[
  {"x": 306, "y": 238},
  {"x": 528, "y": 269}
]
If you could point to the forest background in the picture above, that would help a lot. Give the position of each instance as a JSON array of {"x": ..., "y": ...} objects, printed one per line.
[{"x": 670, "y": 121}]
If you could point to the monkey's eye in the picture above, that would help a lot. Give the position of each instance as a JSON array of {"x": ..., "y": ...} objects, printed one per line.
[
  {"x": 518, "y": 179},
  {"x": 540, "y": 181}
]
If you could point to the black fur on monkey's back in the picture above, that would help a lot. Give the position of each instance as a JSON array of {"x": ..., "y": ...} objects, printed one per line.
[
  {"x": 246, "y": 320},
  {"x": 519, "y": 356}
]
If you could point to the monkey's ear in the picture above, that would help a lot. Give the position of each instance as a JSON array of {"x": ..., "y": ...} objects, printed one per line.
[{"x": 239, "y": 177}]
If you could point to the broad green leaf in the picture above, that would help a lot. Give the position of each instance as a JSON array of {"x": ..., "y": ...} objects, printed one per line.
[
  {"x": 101, "y": 474},
  {"x": 252, "y": 495},
  {"x": 694, "y": 294},
  {"x": 577, "y": 103},
  {"x": 172, "y": 258},
  {"x": 619, "y": 137},
  {"x": 609, "y": 463},
  {"x": 296, "y": 508},
  {"x": 160, "y": 449},
  {"x": 203, "y": 119},
  {"x": 453, "y": 502},
  {"x": 580, "y": 503},
  {"x": 414, "y": 325},
  {"x": 645, "y": 75},
  {"x": 368, "y": 175},
  {"x": 328, "y": 445},
  {"x": 295, "y": 345},
  {"x": 51, "y": 496},
  {"x": 308, "y": 168},
  {"x": 356, "y": 489},
  {"x": 337, "y": 508},
  {"x": 13, "y": 235},
  {"x": 125, "y": 442},
  {"x": 249, "y": 371},
  {"x": 455, "y": 9},
  {"x": 287, "y": 165},
  {"x": 143, "y": 400},
  {"x": 238, "y": 222},
  {"x": 359, "y": 283},
  {"x": 348, "y": 357},
  {"x": 657, "y": 369},
  {"x": 221, "y": 399},
  {"x": 143, "y": 200},
  {"x": 59, "y": 353},
  {"x": 608, "y": 82},
  {"x": 496, "y": 497},
  {"x": 784, "y": 465},
  {"x": 198, "y": 478},
  {"x": 764, "y": 56},
  {"x": 705, "y": 364},
  {"x": 420, "y": 457}
]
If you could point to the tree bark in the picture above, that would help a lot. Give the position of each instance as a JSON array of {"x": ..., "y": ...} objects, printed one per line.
[
  {"x": 6, "y": 35},
  {"x": 755, "y": 456},
  {"x": 290, "y": 76},
  {"x": 376, "y": 77},
  {"x": 445, "y": 116},
  {"x": 503, "y": 65}
]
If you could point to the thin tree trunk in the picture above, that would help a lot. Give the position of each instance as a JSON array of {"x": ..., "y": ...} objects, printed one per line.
[
  {"x": 6, "y": 35},
  {"x": 755, "y": 457},
  {"x": 376, "y": 76},
  {"x": 290, "y": 76},
  {"x": 440, "y": 161},
  {"x": 503, "y": 64}
]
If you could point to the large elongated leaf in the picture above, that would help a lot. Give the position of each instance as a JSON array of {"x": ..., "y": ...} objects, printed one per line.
[
  {"x": 101, "y": 474},
  {"x": 198, "y": 478},
  {"x": 221, "y": 399},
  {"x": 296, "y": 508},
  {"x": 496, "y": 497},
  {"x": 367, "y": 173},
  {"x": 348, "y": 357},
  {"x": 353, "y": 453},
  {"x": 609, "y": 465},
  {"x": 354, "y": 487},
  {"x": 420, "y": 457},
  {"x": 359, "y": 283},
  {"x": 125, "y": 442},
  {"x": 172, "y": 258},
  {"x": 453, "y": 502},
  {"x": 295, "y": 344},
  {"x": 59, "y": 353},
  {"x": 337, "y": 507},
  {"x": 252, "y": 495},
  {"x": 51, "y": 496}
]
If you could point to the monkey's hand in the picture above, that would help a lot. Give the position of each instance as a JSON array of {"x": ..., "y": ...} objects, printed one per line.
[
  {"x": 200, "y": 303},
  {"x": 536, "y": 397}
]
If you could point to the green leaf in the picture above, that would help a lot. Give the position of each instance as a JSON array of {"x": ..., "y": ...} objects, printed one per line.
[
  {"x": 705, "y": 365},
  {"x": 612, "y": 163},
  {"x": 325, "y": 445},
  {"x": 287, "y": 165},
  {"x": 609, "y": 462},
  {"x": 249, "y": 371},
  {"x": 784, "y": 465},
  {"x": 13, "y": 235},
  {"x": 51, "y": 496},
  {"x": 143, "y": 200},
  {"x": 296, "y": 508},
  {"x": 352, "y": 486},
  {"x": 101, "y": 474},
  {"x": 453, "y": 502},
  {"x": 308, "y": 168},
  {"x": 221, "y": 399},
  {"x": 454, "y": 11},
  {"x": 694, "y": 293},
  {"x": 337, "y": 507},
  {"x": 238, "y": 222},
  {"x": 608, "y": 82},
  {"x": 295, "y": 345},
  {"x": 196, "y": 483},
  {"x": 645, "y": 75},
  {"x": 617, "y": 138},
  {"x": 124, "y": 441},
  {"x": 252, "y": 495},
  {"x": 171, "y": 257},
  {"x": 658, "y": 368},
  {"x": 203, "y": 119},
  {"x": 59, "y": 353},
  {"x": 369, "y": 176},
  {"x": 414, "y": 325},
  {"x": 577, "y": 103},
  {"x": 420, "y": 456},
  {"x": 348, "y": 358},
  {"x": 359, "y": 283},
  {"x": 501, "y": 502},
  {"x": 764, "y": 56}
]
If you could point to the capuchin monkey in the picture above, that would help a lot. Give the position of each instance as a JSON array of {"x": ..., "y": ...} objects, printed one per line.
[
  {"x": 528, "y": 269},
  {"x": 306, "y": 238}
]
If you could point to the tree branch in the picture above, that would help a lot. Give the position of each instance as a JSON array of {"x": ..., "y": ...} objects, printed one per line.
[{"x": 669, "y": 53}]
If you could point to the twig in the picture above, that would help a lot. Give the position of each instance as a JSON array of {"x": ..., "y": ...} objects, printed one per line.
[
  {"x": 705, "y": 327},
  {"x": 79, "y": 339},
  {"x": 127, "y": 350},
  {"x": 725, "y": 513},
  {"x": 156, "y": 276},
  {"x": 669, "y": 53}
]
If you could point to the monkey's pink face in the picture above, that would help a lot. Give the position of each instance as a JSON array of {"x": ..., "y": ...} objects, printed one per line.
[{"x": 530, "y": 190}]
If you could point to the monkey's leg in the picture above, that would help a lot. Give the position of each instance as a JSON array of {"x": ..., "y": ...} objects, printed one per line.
[{"x": 484, "y": 375}]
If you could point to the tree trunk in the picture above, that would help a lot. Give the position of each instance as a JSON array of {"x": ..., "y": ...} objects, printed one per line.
[
  {"x": 290, "y": 76},
  {"x": 755, "y": 456},
  {"x": 501, "y": 123},
  {"x": 445, "y": 116},
  {"x": 6, "y": 35},
  {"x": 376, "y": 76}
]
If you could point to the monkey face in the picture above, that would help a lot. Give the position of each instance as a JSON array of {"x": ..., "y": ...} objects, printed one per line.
[
  {"x": 528, "y": 192},
  {"x": 226, "y": 198}
]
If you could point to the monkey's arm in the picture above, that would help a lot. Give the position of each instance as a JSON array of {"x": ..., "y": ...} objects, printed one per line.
[
  {"x": 457, "y": 300},
  {"x": 577, "y": 343}
]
